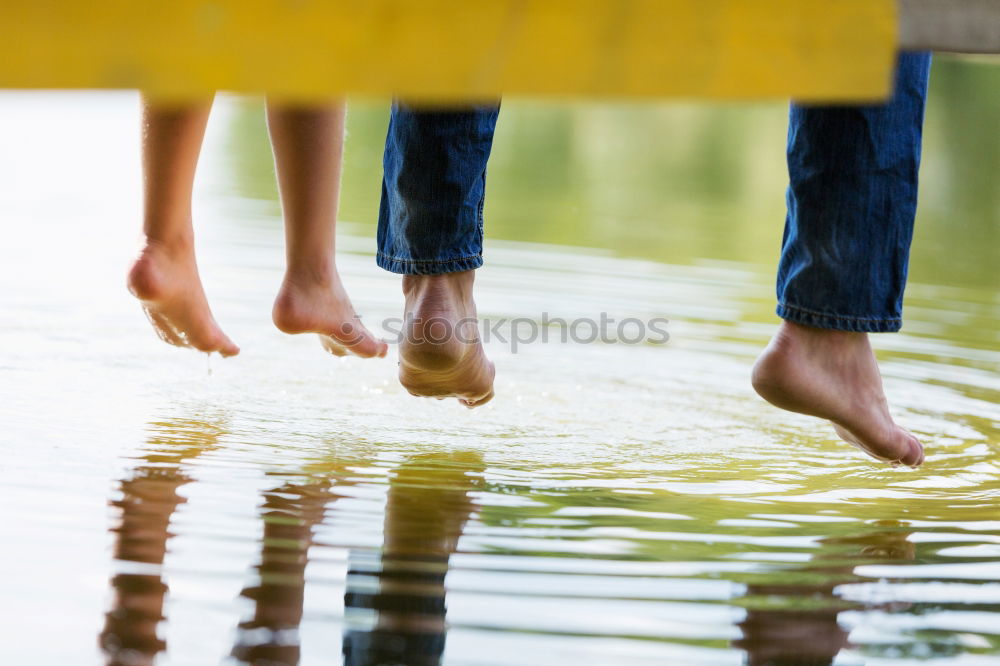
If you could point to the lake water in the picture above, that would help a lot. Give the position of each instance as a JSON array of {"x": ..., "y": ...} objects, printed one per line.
[{"x": 615, "y": 504}]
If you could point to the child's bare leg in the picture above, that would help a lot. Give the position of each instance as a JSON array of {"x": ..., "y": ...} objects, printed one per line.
[
  {"x": 165, "y": 275},
  {"x": 308, "y": 145}
]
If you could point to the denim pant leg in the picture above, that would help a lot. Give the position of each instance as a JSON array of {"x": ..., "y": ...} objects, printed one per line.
[
  {"x": 852, "y": 198},
  {"x": 434, "y": 183}
]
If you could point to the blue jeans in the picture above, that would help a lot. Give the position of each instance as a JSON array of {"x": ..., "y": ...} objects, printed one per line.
[
  {"x": 434, "y": 184},
  {"x": 851, "y": 201},
  {"x": 852, "y": 198}
]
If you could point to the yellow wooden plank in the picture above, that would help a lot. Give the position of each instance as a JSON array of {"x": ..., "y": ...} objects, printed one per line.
[{"x": 449, "y": 49}]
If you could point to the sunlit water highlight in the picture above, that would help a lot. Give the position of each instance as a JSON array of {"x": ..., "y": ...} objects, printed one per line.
[{"x": 616, "y": 504}]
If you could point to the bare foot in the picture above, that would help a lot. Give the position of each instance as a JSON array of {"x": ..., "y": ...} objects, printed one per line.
[
  {"x": 833, "y": 375},
  {"x": 441, "y": 355},
  {"x": 165, "y": 280},
  {"x": 308, "y": 304}
]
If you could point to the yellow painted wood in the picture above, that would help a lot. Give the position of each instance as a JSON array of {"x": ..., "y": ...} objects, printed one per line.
[{"x": 448, "y": 49}]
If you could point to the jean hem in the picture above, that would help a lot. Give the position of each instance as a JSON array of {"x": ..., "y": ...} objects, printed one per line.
[
  {"x": 836, "y": 322},
  {"x": 428, "y": 267}
]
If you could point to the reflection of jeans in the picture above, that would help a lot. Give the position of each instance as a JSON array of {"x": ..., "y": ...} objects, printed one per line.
[
  {"x": 851, "y": 202},
  {"x": 407, "y": 595},
  {"x": 431, "y": 216}
]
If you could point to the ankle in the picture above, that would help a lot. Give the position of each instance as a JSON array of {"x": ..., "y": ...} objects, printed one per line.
[
  {"x": 321, "y": 274},
  {"x": 457, "y": 284},
  {"x": 790, "y": 332},
  {"x": 169, "y": 244}
]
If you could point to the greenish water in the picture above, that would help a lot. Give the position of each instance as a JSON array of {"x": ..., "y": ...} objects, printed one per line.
[{"x": 616, "y": 504}]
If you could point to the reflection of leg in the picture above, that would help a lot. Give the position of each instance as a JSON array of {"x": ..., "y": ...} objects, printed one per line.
[
  {"x": 148, "y": 502},
  {"x": 165, "y": 276},
  {"x": 851, "y": 204},
  {"x": 810, "y": 636},
  {"x": 791, "y": 637},
  {"x": 427, "y": 508},
  {"x": 431, "y": 231},
  {"x": 406, "y": 595},
  {"x": 308, "y": 147},
  {"x": 290, "y": 514},
  {"x": 149, "y": 499}
]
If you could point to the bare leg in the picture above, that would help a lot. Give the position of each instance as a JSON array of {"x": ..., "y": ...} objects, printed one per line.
[
  {"x": 308, "y": 146},
  {"x": 441, "y": 354},
  {"x": 165, "y": 276},
  {"x": 833, "y": 375}
]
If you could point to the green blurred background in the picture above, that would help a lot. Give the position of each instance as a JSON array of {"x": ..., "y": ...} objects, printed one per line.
[{"x": 676, "y": 182}]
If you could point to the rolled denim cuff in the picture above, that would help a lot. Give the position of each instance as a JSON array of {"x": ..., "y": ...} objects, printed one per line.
[
  {"x": 431, "y": 267},
  {"x": 433, "y": 189},
  {"x": 835, "y": 322}
]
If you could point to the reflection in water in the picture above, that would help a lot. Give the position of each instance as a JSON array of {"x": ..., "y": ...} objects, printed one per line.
[
  {"x": 395, "y": 600},
  {"x": 803, "y": 630},
  {"x": 148, "y": 502},
  {"x": 394, "y": 603},
  {"x": 290, "y": 513},
  {"x": 403, "y": 586}
]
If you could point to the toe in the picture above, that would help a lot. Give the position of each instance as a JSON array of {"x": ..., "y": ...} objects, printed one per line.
[
  {"x": 359, "y": 341},
  {"x": 214, "y": 341},
  {"x": 472, "y": 403},
  {"x": 915, "y": 454},
  {"x": 228, "y": 348},
  {"x": 369, "y": 347}
]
